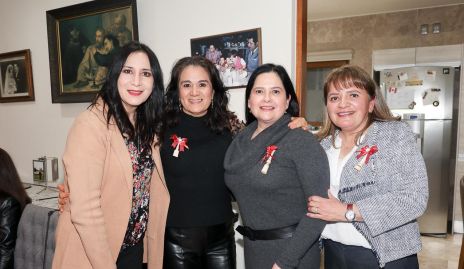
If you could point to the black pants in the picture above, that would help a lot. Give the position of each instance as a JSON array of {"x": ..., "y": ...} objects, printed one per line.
[
  {"x": 131, "y": 257},
  {"x": 340, "y": 256},
  {"x": 211, "y": 247}
]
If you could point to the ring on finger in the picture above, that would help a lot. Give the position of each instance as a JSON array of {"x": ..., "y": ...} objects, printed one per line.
[{"x": 315, "y": 210}]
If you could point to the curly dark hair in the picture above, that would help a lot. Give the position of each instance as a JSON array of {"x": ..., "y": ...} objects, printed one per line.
[
  {"x": 218, "y": 117},
  {"x": 10, "y": 183},
  {"x": 148, "y": 122},
  {"x": 293, "y": 108}
]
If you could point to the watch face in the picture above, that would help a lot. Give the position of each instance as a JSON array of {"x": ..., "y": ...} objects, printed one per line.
[{"x": 349, "y": 215}]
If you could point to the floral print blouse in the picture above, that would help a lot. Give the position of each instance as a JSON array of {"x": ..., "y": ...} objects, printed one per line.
[{"x": 142, "y": 168}]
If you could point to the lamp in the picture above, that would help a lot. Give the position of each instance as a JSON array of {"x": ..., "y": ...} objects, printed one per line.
[
  {"x": 424, "y": 29},
  {"x": 436, "y": 28}
]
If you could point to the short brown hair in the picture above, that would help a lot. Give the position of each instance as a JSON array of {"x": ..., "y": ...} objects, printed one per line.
[{"x": 354, "y": 76}]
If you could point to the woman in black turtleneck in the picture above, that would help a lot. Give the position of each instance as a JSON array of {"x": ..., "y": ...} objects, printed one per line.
[{"x": 198, "y": 130}]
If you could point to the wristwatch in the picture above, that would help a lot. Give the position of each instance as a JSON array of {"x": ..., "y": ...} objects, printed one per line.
[{"x": 349, "y": 214}]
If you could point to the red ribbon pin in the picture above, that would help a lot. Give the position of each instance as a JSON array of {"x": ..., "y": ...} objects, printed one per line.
[
  {"x": 364, "y": 154},
  {"x": 268, "y": 156},
  {"x": 179, "y": 144}
]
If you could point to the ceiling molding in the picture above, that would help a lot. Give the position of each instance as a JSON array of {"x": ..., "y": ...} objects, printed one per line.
[{"x": 329, "y": 10}]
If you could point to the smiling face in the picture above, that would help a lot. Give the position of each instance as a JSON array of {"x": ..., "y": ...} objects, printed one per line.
[
  {"x": 349, "y": 108},
  {"x": 195, "y": 90},
  {"x": 135, "y": 82},
  {"x": 268, "y": 100}
]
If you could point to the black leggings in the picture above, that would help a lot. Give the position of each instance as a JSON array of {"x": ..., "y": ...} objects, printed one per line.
[{"x": 211, "y": 247}]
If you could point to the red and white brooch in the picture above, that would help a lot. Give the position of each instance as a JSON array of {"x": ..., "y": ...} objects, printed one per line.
[
  {"x": 268, "y": 156},
  {"x": 364, "y": 154},
  {"x": 179, "y": 144}
]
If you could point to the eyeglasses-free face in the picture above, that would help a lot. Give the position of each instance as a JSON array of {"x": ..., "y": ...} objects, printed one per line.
[
  {"x": 349, "y": 108},
  {"x": 135, "y": 82},
  {"x": 268, "y": 101},
  {"x": 195, "y": 91}
]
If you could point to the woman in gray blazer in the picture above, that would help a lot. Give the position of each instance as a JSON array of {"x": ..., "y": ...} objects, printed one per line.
[{"x": 378, "y": 180}]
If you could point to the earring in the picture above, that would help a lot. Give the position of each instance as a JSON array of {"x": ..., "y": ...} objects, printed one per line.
[
  {"x": 212, "y": 103},
  {"x": 180, "y": 106}
]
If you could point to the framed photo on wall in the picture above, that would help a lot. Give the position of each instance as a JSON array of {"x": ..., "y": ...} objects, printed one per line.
[
  {"x": 236, "y": 55},
  {"x": 82, "y": 39},
  {"x": 16, "y": 83}
]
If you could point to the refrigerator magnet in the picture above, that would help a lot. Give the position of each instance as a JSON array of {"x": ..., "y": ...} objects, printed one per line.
[
  {"x": 430, "y": 97},
  {"x": 414, "y": 82},
  {"x": 402, "y": 76},
  {"x": 430, "y": 75}
]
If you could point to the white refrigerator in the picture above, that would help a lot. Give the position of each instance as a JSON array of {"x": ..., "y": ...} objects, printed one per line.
[{"x": 425, "y": 97}]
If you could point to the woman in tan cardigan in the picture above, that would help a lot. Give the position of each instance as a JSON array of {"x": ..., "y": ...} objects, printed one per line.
[{"x": 118, "y": 198}]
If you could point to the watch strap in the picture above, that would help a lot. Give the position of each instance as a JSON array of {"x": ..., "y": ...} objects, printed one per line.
[{"x": 349, "y": 206}]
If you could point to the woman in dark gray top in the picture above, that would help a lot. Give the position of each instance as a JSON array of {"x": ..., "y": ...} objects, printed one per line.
[{"x": 271, "y": 170}]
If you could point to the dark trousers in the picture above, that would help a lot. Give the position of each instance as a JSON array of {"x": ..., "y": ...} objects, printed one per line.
[
  {"x": 131, "y": 257},
  {"x": 340, "y": 256},
  {"x": 211, "y": 247}
]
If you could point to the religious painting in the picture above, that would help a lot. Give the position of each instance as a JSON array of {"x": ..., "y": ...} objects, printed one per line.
[{"x": 82, "y": 41}]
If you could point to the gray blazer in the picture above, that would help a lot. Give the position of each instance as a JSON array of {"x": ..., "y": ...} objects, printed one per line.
[{"x": 391, "y": 190}]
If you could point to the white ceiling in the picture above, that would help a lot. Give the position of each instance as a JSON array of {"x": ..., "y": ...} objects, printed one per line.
[{"x": 332, "y": 9}]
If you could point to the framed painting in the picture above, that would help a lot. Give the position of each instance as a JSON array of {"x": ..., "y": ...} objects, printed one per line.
[
  {"x": 236, "y": 55},
  {"x": 82, "y": 40},
  {"x": 16, "y": 83}
]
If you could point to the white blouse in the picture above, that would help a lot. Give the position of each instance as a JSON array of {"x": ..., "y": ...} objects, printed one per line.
[{"x": 342, "y": 232}]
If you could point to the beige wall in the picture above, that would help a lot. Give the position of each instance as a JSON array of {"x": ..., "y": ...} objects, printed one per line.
[
  {"x": 386, "y": 31},
  {"x": 32, "y": 129},
  {"x": 365, "y": 34}
]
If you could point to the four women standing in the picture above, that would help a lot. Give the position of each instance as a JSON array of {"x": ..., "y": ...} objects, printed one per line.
[{"x": 269, "y": 168}]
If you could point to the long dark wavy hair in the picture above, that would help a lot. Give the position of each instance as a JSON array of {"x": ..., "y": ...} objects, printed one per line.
[
  {"x": 218, "y": 118},
  {"x": 293, "y": 107},
  {"x": 10, "y": 183},
  {"x": 148, "y": 121}
]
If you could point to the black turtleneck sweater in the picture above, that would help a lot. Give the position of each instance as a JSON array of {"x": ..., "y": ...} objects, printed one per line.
[{"x": 195, "y": 179}]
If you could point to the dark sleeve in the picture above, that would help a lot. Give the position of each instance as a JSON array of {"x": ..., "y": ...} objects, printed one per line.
[
  {"x": 313, "y": 173},
  {"x": 105, "y": 59},
  {"x": 102, "y": 59},
  {"x": 10, "y": 213}
]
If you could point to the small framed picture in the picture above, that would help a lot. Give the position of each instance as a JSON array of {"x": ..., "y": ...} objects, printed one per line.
[
  {"x": 236, "y": 55},
  {"x": 16, "y": 77},
  {"x": 39, "y": 169}
]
